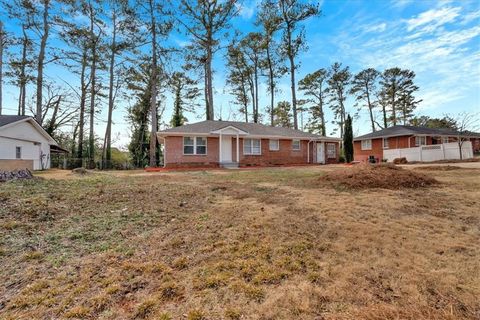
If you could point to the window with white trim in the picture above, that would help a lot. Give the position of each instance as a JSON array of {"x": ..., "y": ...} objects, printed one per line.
[
  {"x": 274, "y": 145},
  {"x": 195, "y": 145},
  {"x": 385, "y": 143},
  {"x": 367, "y": 144},
  {"x": 252, "y": 146},
  {"x": 296, "y": 145},
  {"x": 420, "y": 141},
  {"x": 331, "y": 150},
  {"x": 444, "y": 139},
  {"x": 18, "y": 152}
]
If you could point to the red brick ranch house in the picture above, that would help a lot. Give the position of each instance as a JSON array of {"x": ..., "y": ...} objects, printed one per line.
[
  {"x": 415, "y": 144},
  {"x": 232, "y": 144}
]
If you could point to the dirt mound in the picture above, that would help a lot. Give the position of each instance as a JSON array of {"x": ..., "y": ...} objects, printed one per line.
[
  {"x": 80, "y": 171},
  {"x": 439, "y": 168},
  {"x": 378, "y": 176}
]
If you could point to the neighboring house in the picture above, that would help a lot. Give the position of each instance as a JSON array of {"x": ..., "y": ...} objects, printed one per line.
[
  {"x": 231, "y": 144},
  {"x": 24, "y": 144},
  {"x": 415, "y": 143}
]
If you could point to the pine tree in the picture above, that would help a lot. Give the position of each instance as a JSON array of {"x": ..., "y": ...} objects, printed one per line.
[
  {"x": 348, "y": 140},
  {"x": 292, "y": 13},
  {"x": 338, "y": 88},
  {"x": 397, "y": 95},
  {"x": 315, "y": 87},
  {"x": 239, "y": 78},
  {"x": 205, "y": 21},
  {"x": 364, "y": 87},
  {"x": 186, "y": 92},
  {"x": 283, "y": 115}
]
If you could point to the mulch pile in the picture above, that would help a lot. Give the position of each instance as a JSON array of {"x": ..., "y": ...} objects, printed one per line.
[{"x": 385, "y": 176}]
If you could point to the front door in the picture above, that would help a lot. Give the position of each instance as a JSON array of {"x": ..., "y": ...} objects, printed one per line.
[
  {"x": 320, "y": 152},
  {"x": 227, "y": 149}
]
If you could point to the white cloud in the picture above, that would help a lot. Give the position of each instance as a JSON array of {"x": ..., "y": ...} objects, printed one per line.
[
  {"x": 380, "y": 27},
  {"x": 434, "y": 18},
  {"x": 247, "y": 9},
  {"x": 475, "y": 15}
]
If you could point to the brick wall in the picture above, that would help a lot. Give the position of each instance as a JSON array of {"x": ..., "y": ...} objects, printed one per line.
[
  {"x": 10, "y": 165},
  {"x": 174, "y": 156}
]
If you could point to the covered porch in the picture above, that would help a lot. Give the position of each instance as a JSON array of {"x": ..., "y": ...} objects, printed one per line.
[{"x": 229, "y": 145}]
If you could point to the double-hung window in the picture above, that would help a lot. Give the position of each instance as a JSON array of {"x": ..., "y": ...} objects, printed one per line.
[
  {"x": 195, "y": 145},
  {"x": 274, "y": 145},
  {"x": 18, "y": 152},
  {"x": 331, "y": 151},
  {"x": 252, "y": 147},
  {"x": 296, "y": 145},
  {"x": 367, "y": 144},
  {"x": 444, "y": 139},
  {"x": 385, "y": 143},
  {"x": 420, "y": 141}
]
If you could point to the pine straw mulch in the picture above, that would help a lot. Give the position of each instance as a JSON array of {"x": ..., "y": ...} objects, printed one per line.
[{"x": 386, "y": 176}]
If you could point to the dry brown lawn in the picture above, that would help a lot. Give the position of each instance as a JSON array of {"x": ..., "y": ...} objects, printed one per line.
[{"x": 260, "y": 244}]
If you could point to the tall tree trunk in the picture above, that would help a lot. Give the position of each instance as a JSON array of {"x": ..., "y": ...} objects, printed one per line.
[
  {"x": 93, "y": 48},
  {"x": 292, "y": 77},
  {"x": 394, "y": 110},
  {"x": 322, "y": 119},
  {"x": 385, "y": 121},
  {"x": 255, "y": 111},
  {"x": 271, "y": 84},
  {"x": 370, "y": 108},
  {"x": 23, "y": 76},
  {"x": 153, "y": 83},
  {"x": 2, "y": 42},
  {"x": 294, "y": 96},
  {"x": 83, "y": 98},
  {"x": 107, "y": 154},
  {"x": 41, "y": 58},
  {"x": 209, "y": 84}
]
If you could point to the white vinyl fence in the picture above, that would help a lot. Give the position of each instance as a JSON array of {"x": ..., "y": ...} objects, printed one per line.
[{"x": 445, "y": 151}]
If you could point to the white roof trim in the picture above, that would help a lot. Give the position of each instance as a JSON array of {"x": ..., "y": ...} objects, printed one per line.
[
  {"x": 36, "y": 125},
  {"x": 218, "y": 131}
]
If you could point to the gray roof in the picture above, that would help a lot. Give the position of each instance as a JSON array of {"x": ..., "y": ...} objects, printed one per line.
[
  {"x": 254, "y": 129},
  {"x": 397, "y": 131},
  {"x": 4, "y": 120}
]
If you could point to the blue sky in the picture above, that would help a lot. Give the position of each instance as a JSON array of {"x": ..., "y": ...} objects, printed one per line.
[{"x": 439, "y": 40}]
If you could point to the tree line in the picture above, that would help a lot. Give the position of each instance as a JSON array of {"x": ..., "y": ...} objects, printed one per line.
[{"x": 121, "y": 52}]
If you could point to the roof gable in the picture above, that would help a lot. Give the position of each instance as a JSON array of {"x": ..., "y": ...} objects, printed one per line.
[{"x": 9, "y": 121}]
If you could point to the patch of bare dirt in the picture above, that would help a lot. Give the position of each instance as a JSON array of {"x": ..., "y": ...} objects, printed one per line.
[
  {"x": 439, "y": 168},
  {"x": 378, "y": 176}
]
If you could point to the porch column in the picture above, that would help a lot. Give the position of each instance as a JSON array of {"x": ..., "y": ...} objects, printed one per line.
[
  {"x": 220, "y": 148},
  {"x": 238, "y": 148}
]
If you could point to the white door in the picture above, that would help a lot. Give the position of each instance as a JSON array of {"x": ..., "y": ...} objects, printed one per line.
[
  {"x": 320, "y": 152},
  {"x": 227, "y": 149}
]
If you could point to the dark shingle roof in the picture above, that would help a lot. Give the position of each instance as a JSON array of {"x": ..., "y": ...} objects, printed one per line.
[
  {"x": 4, "y": 120},
  {"x": 254, "y": 129},
  {"x": 396, "y": 131}
]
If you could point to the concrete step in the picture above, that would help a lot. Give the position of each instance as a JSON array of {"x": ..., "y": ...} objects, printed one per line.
[{"x": 229, "y": 165}]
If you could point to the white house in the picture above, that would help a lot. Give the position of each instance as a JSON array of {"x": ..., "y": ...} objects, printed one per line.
[{"x": 24, "y": 144}]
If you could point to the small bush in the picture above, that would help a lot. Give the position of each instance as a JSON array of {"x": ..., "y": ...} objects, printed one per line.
[{"x": 402, "y": 160}]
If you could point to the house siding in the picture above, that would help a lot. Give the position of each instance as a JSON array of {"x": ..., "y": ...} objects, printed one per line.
[
  {"x": 33, "y": 145},
  {"x": 175, "y": 158},
  {"x": 400, "y": 142}
]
